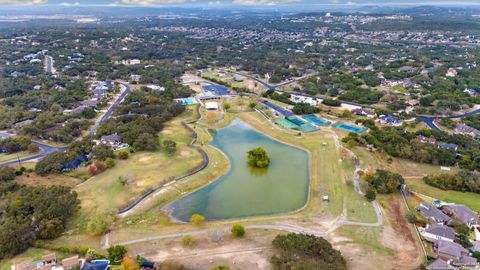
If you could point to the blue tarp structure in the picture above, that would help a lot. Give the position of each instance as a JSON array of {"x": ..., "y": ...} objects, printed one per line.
[
  {"x": 72, "y": 165},
  {"x": 216, "y": 89}
]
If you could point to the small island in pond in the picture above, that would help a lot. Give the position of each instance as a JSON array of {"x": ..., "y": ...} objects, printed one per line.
[{"x": 257, "y": 157}]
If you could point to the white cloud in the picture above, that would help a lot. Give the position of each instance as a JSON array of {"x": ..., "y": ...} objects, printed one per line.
[
  {"x": 264, "y": 2},
  {"x": 22, "y": 2},
  {"x": 151, "y": 2},
  {"x": 70, "y": 4}
]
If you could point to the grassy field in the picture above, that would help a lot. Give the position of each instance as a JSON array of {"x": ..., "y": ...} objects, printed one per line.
[{"x": 10, "y": 157}]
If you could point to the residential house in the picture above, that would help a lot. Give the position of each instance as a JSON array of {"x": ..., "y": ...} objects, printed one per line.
[
  {"x": 49, "y": 259},
  {"x": 390, "y": 120},
  {"x": 433, "y": 214},
  {"x": 462, "y": 213},
  {"x": 364, "y": 112},
  {"x": 435, "y": 232},
  {"x": 423, "y": 139},
  {"x": 413, "y": 103},
  {"x": 451, "y": 72},
  {"x": 440, "y": 264},
  {"x": 135, "y": 77},
  {"x": 71, "y": 262},
  {"x": 113, "y": 140},
  {"x": 447, "y": 250},
  {"x": 448, "y": 146},
  {"x": 467, "y": 130}
]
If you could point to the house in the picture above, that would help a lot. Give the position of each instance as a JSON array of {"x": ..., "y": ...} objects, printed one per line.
[
  {"x": 423, "y": 139},
  {"x": 49, "y": 259},
  {"x": 71, "y": 262},
  {"x": 451, "y": 72},
  {"x": 448, "y": 146},
  {"x": 462, "y": 213},
  {"x": 113, "y": 140},
  {"x": 440, "y": 264},
  {"x": 135, "y": 77},
  {"x": 436, "y": 232},
  {"x": 156, "y": 87},
  {"x": 433, "y": 214},
  {"x": 467, "y": 130},
  {"x": 413, "y": 103},
  {"x": 447, "y": 250},
  {"x": 390, "y": 120},
  {"x": 364, "y": 112}
]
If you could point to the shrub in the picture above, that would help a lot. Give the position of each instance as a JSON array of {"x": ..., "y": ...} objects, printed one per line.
[
  {"x": 52, "y": 163},
  {"x": 238, "y": 230},
  {"x": 170, "y": 147},
  {"x": 411, "y": 217},
  {"x": 7, "y": 174},
  {"x": 371, "y": 194},
  {"x": 197, "y": 219},
  {"x": 102, "y": 152},
  {"x": 33, "y": 148},
  {"x": 123, "y": 155},
  {"x": 116, "y": 253},
  {"x": 99, "y": 223},
  {"x": 188, "y": 241},
  {"x": 109, "y": 163}
]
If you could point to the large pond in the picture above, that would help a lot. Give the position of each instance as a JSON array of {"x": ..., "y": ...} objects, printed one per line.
[{"x": 245, "y": 191}]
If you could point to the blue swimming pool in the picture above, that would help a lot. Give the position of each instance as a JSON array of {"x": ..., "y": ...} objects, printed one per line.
[{"x": 349, "y": 128}]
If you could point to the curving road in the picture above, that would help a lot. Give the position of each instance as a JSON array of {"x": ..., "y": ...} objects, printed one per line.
[
  {"x": 48, "y": 149},
  {"x": 269, "y": 86},
  {"x": 430, "y": 119}
]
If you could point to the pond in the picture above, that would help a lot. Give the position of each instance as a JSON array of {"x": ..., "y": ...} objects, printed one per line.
[{"x": 245, "y": 191}]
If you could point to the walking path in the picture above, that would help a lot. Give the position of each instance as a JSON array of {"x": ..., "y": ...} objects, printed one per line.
[{"x": 280, "y": 227}]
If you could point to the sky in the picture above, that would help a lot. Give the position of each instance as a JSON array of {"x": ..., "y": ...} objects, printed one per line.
[{"x": 230, "y": 2}]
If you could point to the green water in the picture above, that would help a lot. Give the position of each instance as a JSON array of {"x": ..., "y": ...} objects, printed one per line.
[{"x": 246, "y": 191}]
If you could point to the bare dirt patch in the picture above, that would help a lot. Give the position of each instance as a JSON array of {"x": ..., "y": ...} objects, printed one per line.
[
  {"x": 401, "y": 237},
  {"x": 185, "y": 153}
]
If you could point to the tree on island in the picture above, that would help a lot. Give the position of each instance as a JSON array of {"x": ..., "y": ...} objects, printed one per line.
[{"x": 258, "y": 157}]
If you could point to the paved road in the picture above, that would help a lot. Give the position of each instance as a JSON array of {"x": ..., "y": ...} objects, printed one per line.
[
  {"x": 109, "y": 111},
  {"x": 280, "y": 227},
  {"x": 48, "y": 149},
  {"x": 269, "y": 86},
  {"x": 429, "y": 119}
]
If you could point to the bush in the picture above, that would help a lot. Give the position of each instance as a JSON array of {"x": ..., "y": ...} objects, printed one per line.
[
  {"x": 188, "y": 241},
  {"x": 116, "y": 253},
  {"x": 129, "y": 264},
  {"x": 238, "y": 230},
  {"x": 170, "y": 147},
  {"x": 7, "y": 174},
  {"x": 197, "y": 219},
  {"x": 109, "y": 163},
  {"x": 304, "y": 108},
  {"x": 411, "y": 217},
  {"x": 33, "y": 148},
  {"x": 332, "y": 102},
  {"x": 123, "y": 155},
  {"x": 371, "y": 194},
  {"x": 102, "y": 152},
  {"x": 100, "y": 223},
  {"x": 258, "y": 157},
  {"x": 226, "y": 106},
  {"x": 385, "y": 182}
]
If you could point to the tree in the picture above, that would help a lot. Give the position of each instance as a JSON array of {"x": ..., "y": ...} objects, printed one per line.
[
  {"x": 385, "y": 182},
  {"x": 7, "y": 174},
  {"x": 123, "y": 155},
  {"x": 258, "y": 157},
  {"x": 411, "y": 217},
  {"x": 301, "y": 251},
  {"x": 252, "y": 105},
  {"x": 52, "y": 163},
  {"x": 102, "y": 152},
  {"x": 33, "y": 148},
  {"x": 170, "y": 147},
  {"x": 197, "y": 219},
  {"x": 146, "y": 141},
  {"x": 238, "y": 230},
  {"x": 226, "y": 106},
  {"x": 371, "y": 194},
  {"x": 129, "y": 263},
  {"x": 116, "y": 253}
]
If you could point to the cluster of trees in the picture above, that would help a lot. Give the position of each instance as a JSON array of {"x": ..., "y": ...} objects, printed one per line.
[
  {"x": 283, "y": 97},
  {"x": 15, "y": 144},
  {"x": 32, "y": 213},
  {"x": 300, "y": 251},
  {"x": 398, "y": 142},
  {"x": 141, "y": 117},
  {"x": 258, "y": 157},
  {"x": 383, "y": 182},
  {"x": 304, "y": 108},
  {"x": 462, "y": 181},
  {"x": 332, "y": 102},
  {"x": 52, "y": 163}
]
